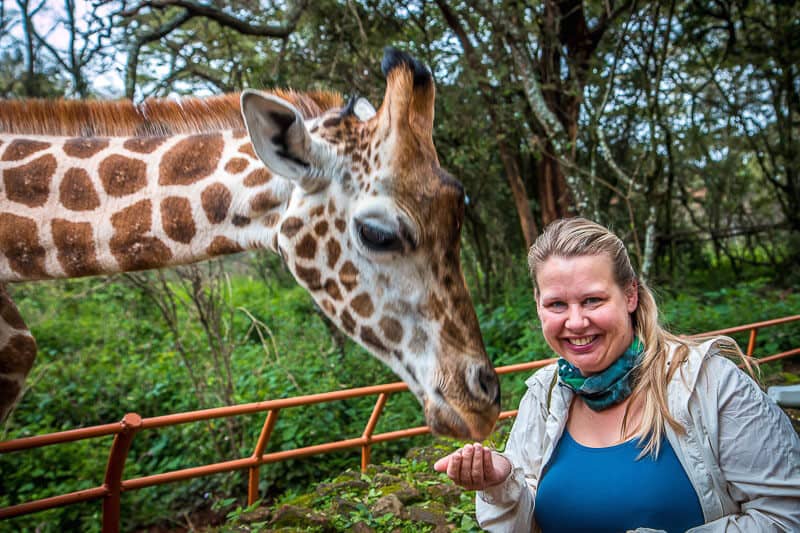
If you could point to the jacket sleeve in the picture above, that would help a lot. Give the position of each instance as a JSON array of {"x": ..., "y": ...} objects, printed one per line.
[
  {"x": 758, "y": 453},
  {"x": 508, "y": 506}
]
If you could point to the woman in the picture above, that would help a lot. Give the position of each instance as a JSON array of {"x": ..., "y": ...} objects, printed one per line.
[{"x": 633, "y": 428}]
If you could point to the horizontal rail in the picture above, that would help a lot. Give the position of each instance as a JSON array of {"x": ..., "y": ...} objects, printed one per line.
[
  {"x": 133, "y": 423},
  {"x": 749, "y": 327}
]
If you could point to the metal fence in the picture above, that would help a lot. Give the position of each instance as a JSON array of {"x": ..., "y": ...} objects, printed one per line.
[{"x": 126, "y": 430}]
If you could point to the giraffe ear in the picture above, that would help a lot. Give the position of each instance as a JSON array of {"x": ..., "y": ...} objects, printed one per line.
[{"x": 281, "y": 140}]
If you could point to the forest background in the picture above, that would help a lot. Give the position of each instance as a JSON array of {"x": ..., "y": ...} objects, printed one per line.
[{"x": 675, "y": 122}]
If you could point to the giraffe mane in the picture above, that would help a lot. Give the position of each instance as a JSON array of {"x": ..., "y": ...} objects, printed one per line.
[{"x": 153, "y": 117}]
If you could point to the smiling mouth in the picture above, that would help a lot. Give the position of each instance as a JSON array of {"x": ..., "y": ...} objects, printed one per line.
[{"x": 582, "y": 341}]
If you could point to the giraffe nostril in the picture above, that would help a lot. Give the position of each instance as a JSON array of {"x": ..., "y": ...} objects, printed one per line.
[{"x": 483, "y": 383}]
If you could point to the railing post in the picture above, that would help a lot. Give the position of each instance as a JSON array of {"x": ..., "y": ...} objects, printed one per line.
[
  {"x": 266, "y": 432},
  {"x": 751, "y": 343},
  {"x": 367, "y": 435},
  {"x": 131, "y": 424}
]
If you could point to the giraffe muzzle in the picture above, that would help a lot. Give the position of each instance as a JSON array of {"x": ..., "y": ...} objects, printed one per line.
[{"x": 468, "y": 410}]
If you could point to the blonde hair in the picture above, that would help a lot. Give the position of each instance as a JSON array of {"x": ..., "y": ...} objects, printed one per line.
[{"x": 575, "y": 237}]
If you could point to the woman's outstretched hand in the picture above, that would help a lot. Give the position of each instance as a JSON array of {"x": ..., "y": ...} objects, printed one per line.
[{"x": 474, "y": 467}]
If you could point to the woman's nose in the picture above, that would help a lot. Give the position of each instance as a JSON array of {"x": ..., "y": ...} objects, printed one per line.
[{"x": 575, "y": 317}]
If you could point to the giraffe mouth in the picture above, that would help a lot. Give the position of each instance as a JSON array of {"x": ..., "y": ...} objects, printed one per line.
[{"x": 447, "y": 421}]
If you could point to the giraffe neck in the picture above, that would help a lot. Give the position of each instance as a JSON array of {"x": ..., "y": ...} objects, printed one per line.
[{"x": 83, "y": 206}]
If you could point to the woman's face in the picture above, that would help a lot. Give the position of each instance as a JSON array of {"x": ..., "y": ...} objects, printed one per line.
[{"x": 585, "y": 315}]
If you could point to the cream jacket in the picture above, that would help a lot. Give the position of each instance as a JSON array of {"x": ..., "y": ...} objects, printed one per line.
[{"x": 740, "y": 450}]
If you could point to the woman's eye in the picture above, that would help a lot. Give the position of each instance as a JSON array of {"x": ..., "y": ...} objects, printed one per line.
[
  {"x": 557, "y": 306},
  {"x": 379, "y": 239},
  {"x": 592, "y": 301}
]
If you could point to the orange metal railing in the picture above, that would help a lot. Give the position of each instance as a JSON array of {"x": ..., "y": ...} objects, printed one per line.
[{"x": 124, "y": 432}]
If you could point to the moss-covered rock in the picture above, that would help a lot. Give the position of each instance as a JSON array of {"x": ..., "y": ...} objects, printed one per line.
[
  {"x": 389, "y": 504},
  {"x": 433, "y": 513},
  {"x": 293, "y": 516}
]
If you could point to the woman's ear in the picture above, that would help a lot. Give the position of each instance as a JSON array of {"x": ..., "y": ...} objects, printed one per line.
[{"x": 632, "y": 296}]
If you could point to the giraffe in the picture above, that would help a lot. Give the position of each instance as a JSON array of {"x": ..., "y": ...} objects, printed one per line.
[{"x": 353, "y": 199}]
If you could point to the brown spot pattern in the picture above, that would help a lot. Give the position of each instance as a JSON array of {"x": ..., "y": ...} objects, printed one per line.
[
  {"x": 84, "y": 147},
  {"x": 310, "y": 276},
  {"x": 18, "y": 354},
  {"x": 130, "y": 246},
  {"x": 317, "y": 211},
  {"x": 348, "y": 276},
  {"x": 334, "y": 250},
  {"x": 191, "y": 160},
  {"x": 332, "y": 288},
  {"x": 9, "y": 312},
  {"x": 452, "y": 332},
  {"x": 362, "y": 304},
  {"x": 419, "y": 340},
  {"x": 236, "y": 165},
  {"x": 321, "y": 228},
  {"x": 264, "y": 201},
  {"x": 291, "y": 226},
  {"x": 271, "y": 220},
  {"x": 143, "y": 145},
  {"x": 248, "y": 150},
  {"x": 392, "y": 329},
  {"x": 74, "y": 243},
  {"x": 329, "y": 308},
  {"x": 122, "y": 175},
  {"x": 239, "y": 221},
  {"x": 19, "y": 242},
  {"x": 259, "y": 176},
  {"x": 22, "y": 148},
  {"x": 30, "y": 183},
  {"x": 176, "y": 219},
  {"x": 348, "y": 322},
  {"x": 77, "y": 192},
  {"x": 216, "y": 199},
  {"x": 340, "y": 225},
  {"x": 307, "y": 247},
  {"x": 223, "y": 246},
  {"x": 371, "y": 339}
]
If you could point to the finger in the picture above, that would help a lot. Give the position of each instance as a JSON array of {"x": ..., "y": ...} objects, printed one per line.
[
  {"x": 467, "y": 454},
  {"x": 441, "y": 464},
  {"x": 488, "y": 464},
  {"x": 454, "y": 467},
  {"x": 477, "y": 465}
]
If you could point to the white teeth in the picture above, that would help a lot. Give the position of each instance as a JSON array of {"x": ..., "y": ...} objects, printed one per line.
[{"x": 583, "y": 341}]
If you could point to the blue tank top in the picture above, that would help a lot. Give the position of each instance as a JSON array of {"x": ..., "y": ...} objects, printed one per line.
[{"x": 607, "y": 490}]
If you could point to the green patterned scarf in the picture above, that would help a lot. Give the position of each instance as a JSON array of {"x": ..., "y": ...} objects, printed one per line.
[{"x": 609, "y": 387}]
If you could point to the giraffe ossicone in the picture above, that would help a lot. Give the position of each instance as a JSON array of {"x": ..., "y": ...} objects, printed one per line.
[{"x": 353, "y": 199}]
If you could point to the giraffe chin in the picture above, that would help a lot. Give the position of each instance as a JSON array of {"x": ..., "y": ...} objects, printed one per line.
[{"x": 445, "y": 421}]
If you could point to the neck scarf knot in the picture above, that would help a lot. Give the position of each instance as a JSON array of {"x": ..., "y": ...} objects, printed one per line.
[{"x": 609, "y": 387}]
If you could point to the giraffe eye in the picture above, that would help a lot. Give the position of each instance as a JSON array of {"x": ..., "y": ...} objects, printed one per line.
[{"x": 378, "y": 239}]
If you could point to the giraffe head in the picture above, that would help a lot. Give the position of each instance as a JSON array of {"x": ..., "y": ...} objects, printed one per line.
[{"x": 372, "y": 230}]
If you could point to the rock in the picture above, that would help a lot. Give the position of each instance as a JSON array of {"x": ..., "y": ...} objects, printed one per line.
[
  {"x": 383, "y": 479},
  {"x": 337, "y": 487},
  {"x": 426, "y": 454},
  {"x": 433, "y": 513},
  {"x": 342, "y": 506},
  {"x": 404, "y": 491},
  {"x": 361, "y": 527},
  {"x": 259, "y": 515},
  {"x": 288, "y": 516},
  {"x": 387, "y": 504},
  {"x": 447, "y": 493}
]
